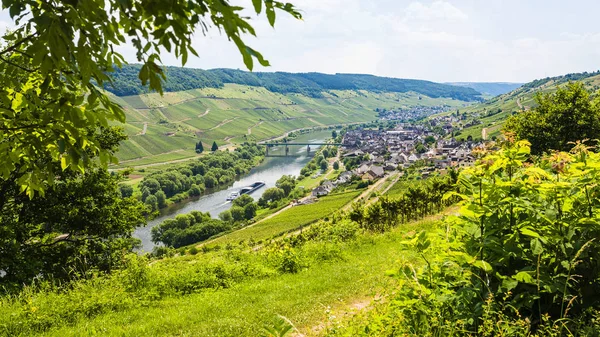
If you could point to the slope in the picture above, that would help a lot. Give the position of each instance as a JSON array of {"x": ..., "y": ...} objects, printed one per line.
[
  {"x": 493, "y": 113},
  {"x": 166, "y": 128}
]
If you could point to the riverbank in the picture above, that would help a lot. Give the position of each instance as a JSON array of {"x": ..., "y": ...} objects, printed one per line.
[{"x": 269, "y": 171}]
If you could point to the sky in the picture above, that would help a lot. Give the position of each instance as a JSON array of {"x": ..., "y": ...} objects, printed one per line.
[{"x": 437, "y": 40}]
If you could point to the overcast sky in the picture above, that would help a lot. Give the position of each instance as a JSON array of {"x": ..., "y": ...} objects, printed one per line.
[{"x": 440, "y": 40}]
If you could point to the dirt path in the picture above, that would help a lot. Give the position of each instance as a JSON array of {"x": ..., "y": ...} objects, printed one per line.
[
  {"x": 144, "y": 129},
  {"x": 223, "y": 123},
  {"x": 204, "y": 113},
  {"x": 314, "y": 121},
  {"x": 253, "y": 126}
]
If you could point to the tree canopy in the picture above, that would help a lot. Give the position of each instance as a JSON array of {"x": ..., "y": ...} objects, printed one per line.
[
  {"x": 60, "y": 51},
  {"x": 559, "y": 120}
]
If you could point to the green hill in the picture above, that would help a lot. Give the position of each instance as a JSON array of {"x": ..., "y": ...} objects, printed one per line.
[
  {"x": 166, "y": 128},
  {"x": 493, "y": 113},
  {"x": 126, "y": 82}
]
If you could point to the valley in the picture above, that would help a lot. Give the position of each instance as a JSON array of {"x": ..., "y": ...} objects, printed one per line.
[{"x": 165, "y": 129}]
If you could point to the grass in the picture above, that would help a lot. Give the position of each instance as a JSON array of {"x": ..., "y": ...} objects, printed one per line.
[
  {"x": 245, "y": 308},
  {"x": 289, "y": 220}
]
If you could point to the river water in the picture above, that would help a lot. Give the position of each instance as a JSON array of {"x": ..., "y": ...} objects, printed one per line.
[{"x": 269, "y": 171}]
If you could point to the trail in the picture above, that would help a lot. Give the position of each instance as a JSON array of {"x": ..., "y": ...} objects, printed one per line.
[
  {"x": 521, "y": 106},
  {"x": 253, "y": 126},
  {"x": 223, "y": 123},
  {"x": 314, "y": 121},
  {"x": 204, "y": 113}
]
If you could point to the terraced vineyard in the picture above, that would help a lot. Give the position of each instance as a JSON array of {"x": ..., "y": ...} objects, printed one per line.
[
  {"x": 495, "y": 111},
  {"x": 166, "y": 128}
]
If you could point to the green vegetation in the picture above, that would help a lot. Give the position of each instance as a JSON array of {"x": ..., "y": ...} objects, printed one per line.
[
  {"x": 308, "y": 84},
  {"x": 519, "y": 259},
  {"x": 493, "y": 113},
  {"x": 289, "y": 220},
  {"x": 186, "y": 229},
  {"x": 57, "y": 54},
  {"x": 330, "y": 261},
  {"x": 236, "y": 114},
  {"x": 559, "y": 120},
  {"x": 178, "y": 182}
]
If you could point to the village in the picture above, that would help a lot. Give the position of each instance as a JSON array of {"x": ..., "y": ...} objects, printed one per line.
[{"x": 371, "y": 154}]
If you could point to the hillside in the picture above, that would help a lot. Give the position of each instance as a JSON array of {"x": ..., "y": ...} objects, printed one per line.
[
  {"x": 489, "y": 88},
  {"x": 126, "y": 83},
  {"x": 166, "y": 128},
  {"x": 494, "y": 112}
]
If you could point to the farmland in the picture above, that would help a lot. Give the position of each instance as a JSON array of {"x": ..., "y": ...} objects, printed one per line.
[{"x": 166, "y": 128}]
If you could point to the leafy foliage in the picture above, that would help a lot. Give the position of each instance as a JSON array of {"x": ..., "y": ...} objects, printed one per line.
[
  {"x": 60, "y": 50},
  {"x": 560, "y": 119},
  {"x": 186, "y": 229}
]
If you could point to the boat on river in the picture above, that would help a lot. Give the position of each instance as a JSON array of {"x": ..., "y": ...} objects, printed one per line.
[
  {"x": 232, "y": 196},
  {"x": 246, "y": 190}
]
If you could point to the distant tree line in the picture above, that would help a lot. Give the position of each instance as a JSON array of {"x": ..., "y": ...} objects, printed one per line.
[{"x": 126, "y": 82}]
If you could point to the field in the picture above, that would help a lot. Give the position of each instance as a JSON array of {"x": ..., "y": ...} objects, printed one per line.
[
  {"x": 162, "y": 129},
  {"x": 289, "y": 220}
]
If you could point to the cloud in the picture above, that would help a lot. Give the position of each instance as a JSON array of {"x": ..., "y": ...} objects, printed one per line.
[{"x": 438, "y": 10}]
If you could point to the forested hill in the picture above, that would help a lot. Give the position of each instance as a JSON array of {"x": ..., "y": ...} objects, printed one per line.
[
  {"x": 490, "y": 88},
  {"x": 126, "y": 82}
]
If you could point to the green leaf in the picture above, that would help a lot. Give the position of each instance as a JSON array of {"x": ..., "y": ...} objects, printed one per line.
[
  {"x": 257, "y": 5},
  {"x": 529, "y": 232},
  {"x": 509, "y": 283},
  {"x": 536, "y": 246},
  {"x": 525, "y": 277},
  {"x": 483, "y": 265}
]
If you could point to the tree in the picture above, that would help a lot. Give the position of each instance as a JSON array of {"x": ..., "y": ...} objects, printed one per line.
[
  {"x": 237, "y": 213},
  {"x": 286, "y": 183},
  {"x": 199, "y": 147},
  {"x": 334, "y": 134},
  {"x": 563, "y": 117},
  {"x": 161, "y": 199},
  {"x": 214, "y": 147},
  {"x": 152, "y": 202},
  {"x": 226, "y": 216},
  {"x": 126, "y": 190},
  {"x": 250, "y": 211},
  {"x": 336, "y": 165},
  {"x": 271, "y": 194},
  {"x": 324, "y": 165},
  {"x": 242, "y": 200},
  {"x": 83, "y": 217},
  {"x": 60, "y": 53}
]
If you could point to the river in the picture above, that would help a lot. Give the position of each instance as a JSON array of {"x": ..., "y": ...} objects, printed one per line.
[{"x": 269, "y": 171}]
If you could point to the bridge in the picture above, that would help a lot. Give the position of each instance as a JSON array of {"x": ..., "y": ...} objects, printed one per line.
[{"x": 287, "y": 144}]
